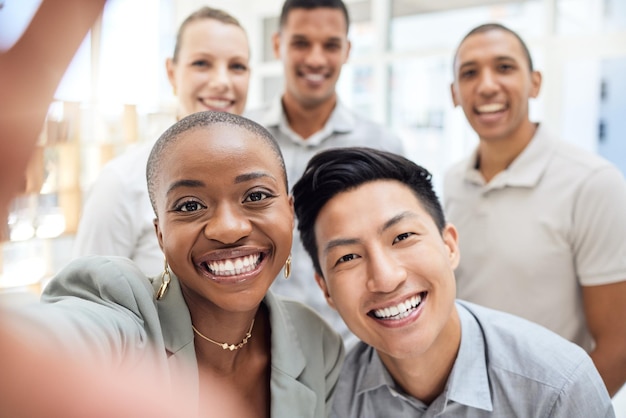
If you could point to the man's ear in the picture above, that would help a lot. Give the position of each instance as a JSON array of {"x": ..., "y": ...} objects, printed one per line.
[
  {"x": 348, "y": 49},
  {"x": 453, "y": 94},
  {"x": 322, "y": 284},
  {"x": 276, "y": 44},
  {"x": 451, "y": 241},
  {"x": 535, "y": 79}
]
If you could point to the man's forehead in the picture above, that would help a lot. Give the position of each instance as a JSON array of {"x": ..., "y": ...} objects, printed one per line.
[
  {"x": 495, "y": 44},
  {"x": 325, "y": 16}
]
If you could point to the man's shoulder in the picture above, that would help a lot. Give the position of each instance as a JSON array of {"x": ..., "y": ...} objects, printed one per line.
[
  {"x": 364, "y": 131},
  {"x": 522, "y": 347},
  {"x": 263, "y": 114}
]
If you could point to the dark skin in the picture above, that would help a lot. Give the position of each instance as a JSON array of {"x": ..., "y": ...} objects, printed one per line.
[{"x": 244, "y": 372}]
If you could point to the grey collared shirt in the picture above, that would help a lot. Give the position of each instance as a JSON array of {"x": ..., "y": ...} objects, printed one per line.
[
  {"x": 506, "y": 367},
  {"x": 344, "y": 128}
]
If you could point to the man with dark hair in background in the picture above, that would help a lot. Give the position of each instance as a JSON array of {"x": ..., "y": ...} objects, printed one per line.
[
  {"x": 541, "y": 222},
  {"x": 312, "y": 43}
]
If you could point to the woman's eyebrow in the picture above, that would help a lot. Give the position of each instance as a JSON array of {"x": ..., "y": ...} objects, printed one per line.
[{"x": 251, "y": 176}]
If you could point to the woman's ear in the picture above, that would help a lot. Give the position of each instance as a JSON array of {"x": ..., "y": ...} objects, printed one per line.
[{"x": 157, "y": 230}]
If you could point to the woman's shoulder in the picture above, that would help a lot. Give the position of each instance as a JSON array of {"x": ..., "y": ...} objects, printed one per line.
[
  {"x": 301, "y": 322},
  {"x": 108, "y": 277}
]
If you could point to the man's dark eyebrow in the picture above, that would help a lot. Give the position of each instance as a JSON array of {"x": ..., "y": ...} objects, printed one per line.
[
  {"x": 498, "y": 58},
  {"x": 298, "y": 37},
  {"x": 391, "y": 222},
  {"x": 339, "y": 242},
  {"x": 251, "y": 176},
  {"x": 352, "y": 241}
]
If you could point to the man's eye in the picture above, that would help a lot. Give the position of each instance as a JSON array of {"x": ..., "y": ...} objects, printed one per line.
[
  {"x": 402, "y": 237},
  {"x": 468, "y": 73},
  {"x": 346, "y": 258}
]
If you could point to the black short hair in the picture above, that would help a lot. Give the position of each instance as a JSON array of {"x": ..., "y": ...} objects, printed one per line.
[
  {"x": 289, "y": 5},
  {"x": 486, "y": 27},
  {"x": 201, "y": 120},
  {"x": 339, "y": 170}
]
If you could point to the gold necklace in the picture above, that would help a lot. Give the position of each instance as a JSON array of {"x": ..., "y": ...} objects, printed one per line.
[{"x": 225, "y": 346}]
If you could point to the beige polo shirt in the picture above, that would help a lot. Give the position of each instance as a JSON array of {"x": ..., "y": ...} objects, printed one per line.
[{"x": 553, "y": 221}]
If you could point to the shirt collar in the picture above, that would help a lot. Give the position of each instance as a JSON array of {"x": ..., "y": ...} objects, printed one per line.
[
  {"x": 375, "y": 374},
  {"x": 525, "y": 171},
  {"x": 341, "y": 120},
  {"x": 468, "y": 383}
]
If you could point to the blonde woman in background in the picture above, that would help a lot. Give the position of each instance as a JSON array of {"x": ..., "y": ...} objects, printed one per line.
[{"x": 209, "y": 70}]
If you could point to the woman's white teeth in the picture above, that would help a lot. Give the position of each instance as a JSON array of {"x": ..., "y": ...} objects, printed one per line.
[
  {"x": 234, "y": 266},
  {"x": 221, "y": 104},
  {"x": 399, "y": 311}
]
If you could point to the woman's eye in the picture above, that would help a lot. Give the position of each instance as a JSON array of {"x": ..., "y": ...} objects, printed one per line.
[
  {"x": 239, "y": 67},
  {"x": 402, "y": 237},
  {"x": 189, "y": 206},
  {"x": 257, "y": 197},
  {"x": 200, "y": 63}
]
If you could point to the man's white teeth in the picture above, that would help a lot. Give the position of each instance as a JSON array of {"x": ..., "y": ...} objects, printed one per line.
[
  {"x": 219, "y": 104},
  {"x": 315, "y": 77},
  {"x": 234, "y": 266},
  {"x": 490, "y": 108},
  {"x": 399, "y": 311}
]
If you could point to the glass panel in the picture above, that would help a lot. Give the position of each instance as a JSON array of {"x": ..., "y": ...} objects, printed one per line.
[
  {"x": 272, "y": 87},
  {"x": 421, "y": 112},
  {"x": 590, "y": 16},
  {"x": 356, "y": 89},
  {"x": 362, "y": 33},
  {"x": 446, "y": 28},
  {"x": 270, "y": 26},
  {"x": 612, "y": 108}
]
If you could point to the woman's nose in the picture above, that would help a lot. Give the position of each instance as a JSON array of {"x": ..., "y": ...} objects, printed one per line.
[{"x": 227, "y": 225}]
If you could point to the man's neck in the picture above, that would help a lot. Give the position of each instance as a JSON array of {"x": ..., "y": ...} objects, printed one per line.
[
  {"x": 306, "y": 121},
  {"x": 424, "y": 377},
  {"x": 495, "y": 155}
]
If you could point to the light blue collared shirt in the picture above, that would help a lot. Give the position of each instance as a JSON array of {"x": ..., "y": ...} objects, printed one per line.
[{"x": 505, "y": 367}]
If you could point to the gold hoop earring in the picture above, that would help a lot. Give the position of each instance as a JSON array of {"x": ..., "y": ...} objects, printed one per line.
[
  {"x": 165, "y": 282},
  {"x": 287, "y": 270}
]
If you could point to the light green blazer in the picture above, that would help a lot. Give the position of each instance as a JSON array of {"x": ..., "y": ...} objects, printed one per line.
[{"x": 105, "y": 305}]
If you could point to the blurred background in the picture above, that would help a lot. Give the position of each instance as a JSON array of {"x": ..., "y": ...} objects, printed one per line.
[{"x": 116, "y": 95}]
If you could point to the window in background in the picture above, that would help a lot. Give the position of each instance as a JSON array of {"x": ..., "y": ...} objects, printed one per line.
[
  {"x": 270, "y": 26},
  {"x": 577, "y": 17},
  {"x": 419, "y": 105},
  {"x": 362, "y": 33},
  {"x": 420, "y": 110},
  {"x": 426, "y": 26},
  {"x": 612, "y": 108}
]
